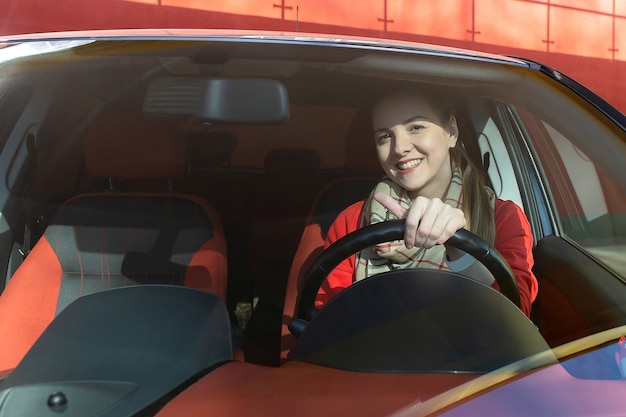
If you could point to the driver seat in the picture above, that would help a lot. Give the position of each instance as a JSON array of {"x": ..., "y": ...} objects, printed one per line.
[{"x": 110, "y": 238}]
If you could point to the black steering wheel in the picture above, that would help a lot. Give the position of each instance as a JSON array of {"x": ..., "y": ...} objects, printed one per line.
[{"x": 385, "y": 232}]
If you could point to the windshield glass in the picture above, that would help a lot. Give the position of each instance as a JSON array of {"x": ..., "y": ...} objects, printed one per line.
[{"x": 236, "y": 166}]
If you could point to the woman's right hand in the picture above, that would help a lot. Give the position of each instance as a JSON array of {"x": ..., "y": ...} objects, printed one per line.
[{"x": 429, "y": 221}]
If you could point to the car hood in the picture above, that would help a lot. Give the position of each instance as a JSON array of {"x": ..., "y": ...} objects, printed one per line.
[{"x": 588, "y": 381}]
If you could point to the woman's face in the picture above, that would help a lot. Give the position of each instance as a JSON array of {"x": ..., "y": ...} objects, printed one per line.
[{"x": 413, "y": 145}]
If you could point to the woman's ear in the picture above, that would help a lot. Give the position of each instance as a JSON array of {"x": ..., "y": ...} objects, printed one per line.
[{"x": 453, "y": 131}]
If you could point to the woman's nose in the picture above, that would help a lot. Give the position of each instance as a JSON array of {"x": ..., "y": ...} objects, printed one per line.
[{"x": 402, "y": 143}]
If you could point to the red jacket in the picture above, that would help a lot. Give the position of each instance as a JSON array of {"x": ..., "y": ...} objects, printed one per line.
[{"x": 514, "y": 241}]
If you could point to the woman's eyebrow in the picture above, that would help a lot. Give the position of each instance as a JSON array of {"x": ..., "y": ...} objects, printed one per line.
[
  {"x": 414, "y": 119},
  {"x": 407, "y": 121}
]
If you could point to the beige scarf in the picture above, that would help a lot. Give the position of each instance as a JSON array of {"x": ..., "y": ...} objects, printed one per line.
[{"x": 394, "y": 255}]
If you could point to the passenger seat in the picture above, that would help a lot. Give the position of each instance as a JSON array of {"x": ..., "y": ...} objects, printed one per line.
[{"x": 109, "y": 239}]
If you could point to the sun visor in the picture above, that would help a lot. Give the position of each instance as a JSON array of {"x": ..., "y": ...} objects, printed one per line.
[{"x": 218, "y": 100}]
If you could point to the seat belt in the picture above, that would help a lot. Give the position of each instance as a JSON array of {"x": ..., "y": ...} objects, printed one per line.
[
  {"x": 33, "y": 228},
  {"x": 33, "y": 224}
]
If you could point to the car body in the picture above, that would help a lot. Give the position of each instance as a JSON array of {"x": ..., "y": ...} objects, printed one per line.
[{"x": 137, "y": 164}]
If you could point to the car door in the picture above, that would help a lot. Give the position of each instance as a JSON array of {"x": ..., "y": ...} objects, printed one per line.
[{"x": 567, "y": 186}]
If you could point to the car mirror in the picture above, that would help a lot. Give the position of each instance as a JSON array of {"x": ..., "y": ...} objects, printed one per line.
[{"x": 218, "y": 100}]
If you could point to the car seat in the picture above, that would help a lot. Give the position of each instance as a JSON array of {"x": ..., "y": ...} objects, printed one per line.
[
  {"x": 108, "y": 239},
  {"x": 363, "y": 171}
]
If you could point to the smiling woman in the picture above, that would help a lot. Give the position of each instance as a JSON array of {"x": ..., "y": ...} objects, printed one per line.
[{"x": 432, "y": 183}]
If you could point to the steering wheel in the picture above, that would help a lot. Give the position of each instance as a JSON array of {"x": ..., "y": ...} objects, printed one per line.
[{"x": 384, "y": 232}]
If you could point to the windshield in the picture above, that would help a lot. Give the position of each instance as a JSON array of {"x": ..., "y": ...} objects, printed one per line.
[{"x": 232, "y": 166}]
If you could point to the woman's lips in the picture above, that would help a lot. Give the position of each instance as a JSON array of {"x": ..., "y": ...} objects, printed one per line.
[{"x": 408, "y": 165}]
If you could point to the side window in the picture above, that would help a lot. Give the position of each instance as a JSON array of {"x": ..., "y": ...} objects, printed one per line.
[
  {"x": 589, "y": 204},
  {"x": 500, "y": 169},
  {"x": 494, "y": 153}
]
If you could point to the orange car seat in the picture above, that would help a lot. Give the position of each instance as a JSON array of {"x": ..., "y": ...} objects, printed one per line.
[
  {"x": 363, "y": 171},
  {"x": 109, "y": 239}
]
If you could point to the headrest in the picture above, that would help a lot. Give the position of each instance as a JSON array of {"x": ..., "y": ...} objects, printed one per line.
[
  {"x": 210, "y": 149},
  {"x": 360, "y": 146},
  {"x": 292, "y": 162},
  {"x": 124, "y": 144}
]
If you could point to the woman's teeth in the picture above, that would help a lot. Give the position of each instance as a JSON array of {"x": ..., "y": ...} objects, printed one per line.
[{"x": 409, "y": 164}]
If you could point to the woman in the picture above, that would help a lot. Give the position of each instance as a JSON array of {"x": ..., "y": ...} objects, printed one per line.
[{"x": 432, "y": 183}]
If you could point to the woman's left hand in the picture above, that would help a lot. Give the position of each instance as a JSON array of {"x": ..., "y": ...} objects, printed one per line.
[{"x": 429, "y": 221}]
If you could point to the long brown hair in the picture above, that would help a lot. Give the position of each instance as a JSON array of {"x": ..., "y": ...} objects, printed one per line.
[{"x": 477, "y": 206}]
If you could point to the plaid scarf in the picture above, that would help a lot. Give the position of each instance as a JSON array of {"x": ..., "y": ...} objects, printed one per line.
[{"x": 394, "y": 255}]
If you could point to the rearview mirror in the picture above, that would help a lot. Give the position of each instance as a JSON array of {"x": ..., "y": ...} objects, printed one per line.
[{"x": 218, "y": 100}]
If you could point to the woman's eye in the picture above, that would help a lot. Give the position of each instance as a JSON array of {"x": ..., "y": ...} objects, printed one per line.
[
  {"x": 383, "y": 137},
  {"x": 416, "y": 128}
]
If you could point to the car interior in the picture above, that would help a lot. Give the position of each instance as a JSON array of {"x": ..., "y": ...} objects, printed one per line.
[{"x": 220, "y": 167}]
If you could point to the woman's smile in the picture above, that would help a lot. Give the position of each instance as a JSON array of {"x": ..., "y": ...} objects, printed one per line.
[{"x": 404, "y": 167}]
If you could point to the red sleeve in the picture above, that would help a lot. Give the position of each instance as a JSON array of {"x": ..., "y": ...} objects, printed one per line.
[
  {"x": 343, "y": 275},
  {"x": 514, "y": 241}
]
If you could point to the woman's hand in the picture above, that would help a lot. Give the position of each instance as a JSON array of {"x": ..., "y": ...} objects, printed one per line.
[{"x": 429, "y": 222}]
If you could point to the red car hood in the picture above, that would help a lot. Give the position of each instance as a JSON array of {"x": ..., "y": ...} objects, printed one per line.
[
  {"x": 590, "y": 380},
  {"x": 302, "y": 389},
  {"x": 582, "y": 384},
  {"x": 552, "y": 391}
]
